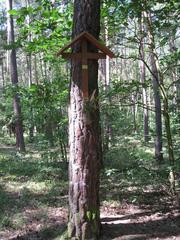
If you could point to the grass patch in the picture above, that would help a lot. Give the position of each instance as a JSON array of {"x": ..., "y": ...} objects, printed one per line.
[
  {"x": 34, "y": 186},
  {"x": 29, "y": 184}
]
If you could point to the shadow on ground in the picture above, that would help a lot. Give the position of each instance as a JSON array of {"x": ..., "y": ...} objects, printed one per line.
[
  {"x": 46, "y": 233},
  {"x": 165, "y": 228},
  {"x": 154, "y": 216}
]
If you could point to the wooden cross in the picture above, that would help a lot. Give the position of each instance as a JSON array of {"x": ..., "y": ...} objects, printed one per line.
[{"x": 84, "y": 55}]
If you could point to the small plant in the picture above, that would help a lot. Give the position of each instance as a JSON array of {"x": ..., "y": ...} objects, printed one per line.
[{"x": 6, "y": 222}]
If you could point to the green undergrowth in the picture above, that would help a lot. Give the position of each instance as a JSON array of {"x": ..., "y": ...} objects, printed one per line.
[
  {"x": 36, "y": 181},
  {"x": 30, "y": 181},
  {"x": 130, "y": 170}
]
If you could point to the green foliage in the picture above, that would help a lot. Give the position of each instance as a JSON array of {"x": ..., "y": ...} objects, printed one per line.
[
  {"x": 6, "y": 222},
  {"x": 50, "y": 27},
  {"x": 38, "y": 179},
  {"x": 29, "y": 180},
  {"x": 42, "y": 105}
]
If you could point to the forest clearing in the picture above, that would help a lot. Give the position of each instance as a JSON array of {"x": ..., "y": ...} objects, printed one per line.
[{"x": 89, "y": 120}]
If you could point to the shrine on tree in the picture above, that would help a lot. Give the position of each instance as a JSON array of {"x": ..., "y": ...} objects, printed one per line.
[{"x": 83, "y": 39}]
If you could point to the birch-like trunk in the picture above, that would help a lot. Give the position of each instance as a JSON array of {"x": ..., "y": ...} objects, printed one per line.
[
  {"x": 159, "y": 90},
  {"x": 156, "y": 90}
]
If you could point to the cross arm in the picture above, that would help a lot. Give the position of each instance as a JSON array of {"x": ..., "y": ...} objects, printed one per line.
[{"x": 89, "y": 55}]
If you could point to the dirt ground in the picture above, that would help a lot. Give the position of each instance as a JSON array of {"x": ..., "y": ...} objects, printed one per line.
[
  {"x": 132, "y": 223},
  {"x": 38, "y": 208},
  {"x": 153, "y": 220}
]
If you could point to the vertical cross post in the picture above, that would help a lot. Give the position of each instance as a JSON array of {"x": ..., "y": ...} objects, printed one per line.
[
  {"x": 84, "y": 55},
  {"x": 85, "y": 89}
]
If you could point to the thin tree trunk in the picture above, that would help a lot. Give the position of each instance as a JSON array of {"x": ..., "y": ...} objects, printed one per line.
[
  {"x": 107, "y": 85},
  {"x": 107, "y": 121},
  {"x": 159, "y": 84},
  {"x": 176, "y": 86},
  {"x": 158, "y": 116},
  {"x": 156, "y": 91},
  {"x": 3, "y": 77},
  {"x": 62, "y": 150},
  {"x": 84, "y": 134},
  {"x": 14, "y": 78},
  {"x": 133, "y": 111},
  {"x": 41, "y": 66},
  {"x": 65, "y": 152},
  {"x": 29, "y": 68},
  {"x": 36, "y": 75},
  {"x": 7, "y": 72},
  {"x": 49, "y": 131},
  {"x": 45, "y": 69},
  {"x": 143, "y": 80}
]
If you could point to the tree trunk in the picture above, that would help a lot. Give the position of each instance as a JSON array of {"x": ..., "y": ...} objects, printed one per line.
[
  {"x": 3, "y": 77},
  {"x": 14, "y": 78},
  {"x": 168, "y": 131},
  {"x": 106, "y": 82},
  {"x": 143, "y": 80},
  {"x": 156, "y": 91},
  {"x": 36, "y": 75},
  {"x": 107, "y": 88},
  {"x": 134, "y": 111},
  {"x": 30, "y": 77},
  {"x": 84, "y": 133},
  {"x": 41, "y": 67},
  {"x": 29, "y": 68},
  {"x": 158, "y": 86},
  {"x": 174, "y": 76},
  {"x": 158, "y": 116},
  {"x": 48, "y": 129}
]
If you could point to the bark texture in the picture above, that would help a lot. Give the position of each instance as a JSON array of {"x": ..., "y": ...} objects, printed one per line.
[
  {"x": 14, "y": 78},
  {"x": 84, "y": 133}
]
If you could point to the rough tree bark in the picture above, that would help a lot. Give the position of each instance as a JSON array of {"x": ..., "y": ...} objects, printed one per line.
[
  {"x": 84, "y": 133},
  {"x": 20, "y": 145}
]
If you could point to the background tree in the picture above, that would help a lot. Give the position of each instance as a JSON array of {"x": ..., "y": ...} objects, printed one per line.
[
  {"x": 17, "y": 118},
  {"x": 34, "y": 186}
]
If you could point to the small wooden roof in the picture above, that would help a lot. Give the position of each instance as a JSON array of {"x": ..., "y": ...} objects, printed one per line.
[{"x": 92, "y": 40}]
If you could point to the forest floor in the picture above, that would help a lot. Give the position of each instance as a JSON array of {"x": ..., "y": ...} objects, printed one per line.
[{"x": 135, "y": 203}]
